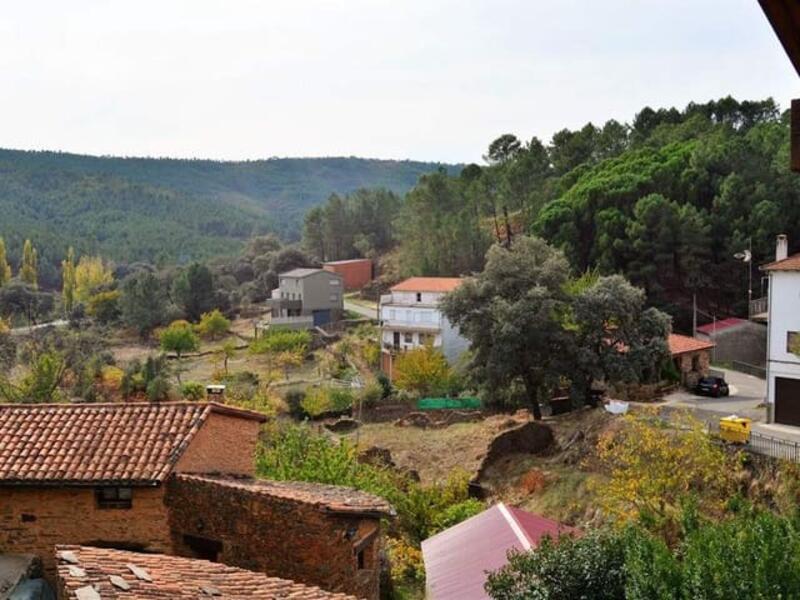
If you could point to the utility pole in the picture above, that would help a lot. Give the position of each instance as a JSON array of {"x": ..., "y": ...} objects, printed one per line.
[{"x": 694, "y": 315}]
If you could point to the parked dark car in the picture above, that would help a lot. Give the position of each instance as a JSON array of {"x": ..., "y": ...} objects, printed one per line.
[{"x": 712, "y": 386}]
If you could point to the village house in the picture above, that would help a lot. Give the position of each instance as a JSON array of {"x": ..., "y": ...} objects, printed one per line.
[
  {"x": 176, "y": 478},
  {"x": 306, "y": 298},
  {"x": 356, "y": 272},
  {"x": 410, "y": 317},
  {"x": 783, "y": 336},
  {"x": 691, "y": 356},
  {"x": 458, "y": 559},
  {"x": 88, "y": 573}
]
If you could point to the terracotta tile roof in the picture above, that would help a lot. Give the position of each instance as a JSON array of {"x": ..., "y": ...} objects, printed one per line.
[
  {"x": 329, "y": 498},
  {"x": 112, "y": 574},
  {"x": 90, "y": 444},
  {"x": 681, "y": 344},
  {"x": 791, "y": 263},
  {"x": 428, "y": 284}
]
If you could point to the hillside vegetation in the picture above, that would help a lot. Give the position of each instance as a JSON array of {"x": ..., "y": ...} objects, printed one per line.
[{"x": 145, "y": 209}]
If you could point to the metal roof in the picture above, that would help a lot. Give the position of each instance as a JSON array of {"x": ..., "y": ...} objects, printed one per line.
[{"x": 457, "y": 559}]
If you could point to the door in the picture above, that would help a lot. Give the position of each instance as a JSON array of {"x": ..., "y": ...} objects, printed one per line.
[
  {"x": 787, "y": 401},
  {"x": 396, "y": 340},
  {"x": 321, "y": 317}
]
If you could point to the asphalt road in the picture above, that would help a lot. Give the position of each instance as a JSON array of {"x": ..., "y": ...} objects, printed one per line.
[{"x": 747, "y": 393}]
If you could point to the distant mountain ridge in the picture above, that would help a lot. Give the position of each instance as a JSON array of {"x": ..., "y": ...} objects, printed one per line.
[{"x": 133, "y": 209}]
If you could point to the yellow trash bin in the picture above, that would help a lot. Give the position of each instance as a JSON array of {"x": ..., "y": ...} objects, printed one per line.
[{"x": 734, "y": 429}]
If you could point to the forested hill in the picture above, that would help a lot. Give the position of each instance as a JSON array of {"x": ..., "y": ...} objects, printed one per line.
[{"x": 151, "y": 208}]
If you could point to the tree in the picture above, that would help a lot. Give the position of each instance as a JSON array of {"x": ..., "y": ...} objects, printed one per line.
[
  {"x": 5, "y": 268},
  {"x": 643, "y": 483},
  {"x": 18, "y": 298},
  {"x": 143, "y": 302},
  {"x": 512, "y": 314},
  {"x": 68, "y": 281},
  {"x": 193, "y": 291},
  {"x": 42, "y": 382},
  {"x": 8, "y": 347},
  {"x": 90, "y": 274},
  {"x": 504, "y": 148},
  {"x": 617, "y": 338},
  {"x": 104, "y": 306},
  {"x": 29, "y": 269},
  {"x": 422, "y": 370},
  {"x": 286, "y": 360},
  {"x": 227, "y": 352},
  {"x": 179, "y": 338},
  {"x": 213, "y": 325}
]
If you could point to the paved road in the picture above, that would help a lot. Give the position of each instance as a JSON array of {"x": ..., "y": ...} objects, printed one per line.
[
  {"x": 370, "y": 313},
  {"x": 32, "y": 328},
  {"x": 747, "y": 393}
]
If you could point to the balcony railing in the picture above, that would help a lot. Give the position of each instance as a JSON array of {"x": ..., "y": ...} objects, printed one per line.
[{"x": 759, "y": 308}]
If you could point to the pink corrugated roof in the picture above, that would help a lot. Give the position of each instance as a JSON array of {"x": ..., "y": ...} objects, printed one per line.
[
  {"x": 457, "y": 559},
  {"x": 720, "y": 325}
]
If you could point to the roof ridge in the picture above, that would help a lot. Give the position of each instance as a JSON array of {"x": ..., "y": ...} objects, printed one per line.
[{"x": 515, "y": 525}]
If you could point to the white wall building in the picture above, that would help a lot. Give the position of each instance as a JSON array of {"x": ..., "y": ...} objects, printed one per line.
[
  {"x": 410, "y": 318},
  {"x": 783, "y": 334}
]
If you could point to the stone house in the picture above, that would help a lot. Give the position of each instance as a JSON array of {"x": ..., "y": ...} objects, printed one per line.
[
  {"x": 172, "y": 478},
  {"x": 691, "y": 356},
  {"x": 98, "y": 573}
]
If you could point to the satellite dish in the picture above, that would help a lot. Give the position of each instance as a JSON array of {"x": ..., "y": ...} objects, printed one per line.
[{"x": 745, "y": 256}]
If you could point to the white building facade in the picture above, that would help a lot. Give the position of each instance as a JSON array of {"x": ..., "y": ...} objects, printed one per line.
[
  {"x": 783, "y": 337},
  {"x": 410, "y": 317}
]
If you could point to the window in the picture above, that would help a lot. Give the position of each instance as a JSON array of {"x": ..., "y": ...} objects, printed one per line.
[
  {"x": 361, "y": 560},
  {"x": 114, "y": 497},
  {"x": 334, "y": 282},
  {"x": 392, "y": 314},
  {"x": 409, "y": 338},
  {"x": 334, "y": 297},
  {"x": 793, "y": 342},
  {"x": 203, "y": 548},
  {"x": 419, "y": 297}
]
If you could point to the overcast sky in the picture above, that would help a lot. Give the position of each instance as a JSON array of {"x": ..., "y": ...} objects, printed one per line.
[{"x": 427, "y": 79}]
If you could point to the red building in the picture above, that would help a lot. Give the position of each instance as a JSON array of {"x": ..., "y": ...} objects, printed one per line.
[{"x": 356, "y": 272}]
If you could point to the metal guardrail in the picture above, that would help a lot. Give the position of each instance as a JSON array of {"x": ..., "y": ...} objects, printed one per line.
[{"x": 753, "y": 370}]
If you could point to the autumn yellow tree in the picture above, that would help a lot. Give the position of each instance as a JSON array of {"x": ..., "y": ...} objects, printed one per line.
[
  {"x": 29, "y": 269},
  {"x": 90, "y": 274},
  {"x": 288, "y": 359},
  {"x": 68, "y": 281},
  {"x": 654, "y": 467},
  {"x": 422, "y": 370},
  {"x": 5, "y": 268}
]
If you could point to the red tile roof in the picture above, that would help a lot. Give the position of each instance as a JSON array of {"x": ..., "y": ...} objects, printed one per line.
[
  {"x": 791, "y": 263},
  {"x": 456, "y": 560},
  {"x": 720, "y": 325},
  {"x": 681, "y": 344},
  {"x": 90, "y": 444},
  {"x": 428, "y": 284},
  {"x": 121, "y": 574},
  {"x": 329, "y": 498}
]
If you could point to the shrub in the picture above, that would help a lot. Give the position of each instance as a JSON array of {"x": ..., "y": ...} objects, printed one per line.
[
  {"x": 294, "y": 400},
  {"x": 405, "y": 561},
  {"x": 370, "y": 395},
  {"x": 193, "y": 390},
  {"x": 213, "y": 324},
  {"x": 282, "y": 341},
  {"x": 323, "y": 400},
  {"x": 158, "y": 389},
  {"x": 104, "y": 306},
  {"x": 179, "y": 338},
  {"x": 386, "y": 385},
  {"x": 422, "y": 371}
]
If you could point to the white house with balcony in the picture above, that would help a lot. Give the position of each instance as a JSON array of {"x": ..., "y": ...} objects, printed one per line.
[
  {"x": 783, "y": 336},
  {"x": 410, "y": 318}
]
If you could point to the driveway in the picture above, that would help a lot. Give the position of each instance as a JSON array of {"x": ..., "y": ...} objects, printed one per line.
[{"x": 747, "y": 393}]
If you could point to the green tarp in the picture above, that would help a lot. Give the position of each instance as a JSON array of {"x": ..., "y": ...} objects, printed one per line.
[{"x": 469, "y": 402}]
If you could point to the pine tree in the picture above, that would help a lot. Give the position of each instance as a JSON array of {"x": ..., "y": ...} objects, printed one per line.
[
  {"x": 68, "y": 279},
  {"x": 5, "y": 268},
  {"x": 29, "y": 269}
]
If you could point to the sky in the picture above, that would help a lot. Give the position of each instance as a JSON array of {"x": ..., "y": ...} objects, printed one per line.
[{"x": 420, "y": 79}]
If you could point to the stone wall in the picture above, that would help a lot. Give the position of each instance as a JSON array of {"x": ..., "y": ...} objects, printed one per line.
[
  {"x": 34, "y": 520},
  {"x": 224, "y": 444},
  {"x": 280, "y": 537},
  {"x": 746, "y": 342}
]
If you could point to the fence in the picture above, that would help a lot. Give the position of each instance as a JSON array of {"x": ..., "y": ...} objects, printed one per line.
[{"x": 774, "y": 447}]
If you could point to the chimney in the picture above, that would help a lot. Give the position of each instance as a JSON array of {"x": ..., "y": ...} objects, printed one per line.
[{"x": 781, "y": 247}]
